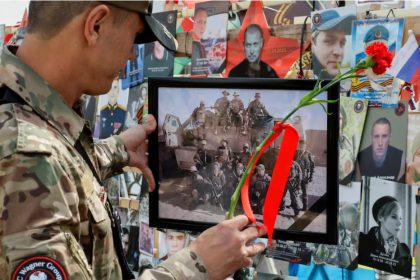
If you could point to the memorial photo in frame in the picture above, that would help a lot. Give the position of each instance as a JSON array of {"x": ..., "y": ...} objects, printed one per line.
[{"x": 207, "y": 130}]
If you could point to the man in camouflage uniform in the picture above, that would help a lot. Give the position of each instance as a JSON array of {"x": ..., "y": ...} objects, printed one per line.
[
  {"x": 236, "y": 111},
  {"x": 293, "y": 186},
  {"x": 199, "y": 120},
  {"x": 232, "y": 179},
  {"x": 202, "y": 157},
  {"x": 259, "y": 184},
  {"x": 245, "y": 155},
  {"x": 215, "y": 183},
  {"x": 256, "y": 111},
  {"x": 306, "y": 162},
  {"x": 222, "y": 111},
  {"x": 224, "y": 153},
  {"x": 258, "y": 119},
  {"x": 51, "y": 212}
]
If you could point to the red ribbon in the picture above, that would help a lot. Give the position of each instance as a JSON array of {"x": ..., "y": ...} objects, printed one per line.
[{"x": 279, "y": 177}]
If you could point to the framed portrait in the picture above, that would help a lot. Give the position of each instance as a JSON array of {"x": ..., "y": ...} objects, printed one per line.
[
  {"x": 384, "y": 144},
  {"x": 207, "y": 130},
  {"x": 387, "y": 226}
]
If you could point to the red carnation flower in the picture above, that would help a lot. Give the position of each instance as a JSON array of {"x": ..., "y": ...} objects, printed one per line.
[{"x": 381, "y": 56}]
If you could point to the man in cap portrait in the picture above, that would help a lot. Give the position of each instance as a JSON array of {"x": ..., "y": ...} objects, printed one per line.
[{"x": 329, "y": 30}]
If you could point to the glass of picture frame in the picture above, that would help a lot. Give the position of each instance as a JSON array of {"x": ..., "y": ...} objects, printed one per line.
[{"x": 207, "y": 130}]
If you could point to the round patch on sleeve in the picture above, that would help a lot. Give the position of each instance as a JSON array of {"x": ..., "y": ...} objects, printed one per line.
[{"x": 39, "y": 268}]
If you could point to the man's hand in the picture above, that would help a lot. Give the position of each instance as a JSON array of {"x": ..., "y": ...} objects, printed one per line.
[
  {"x": 135, "y": 141},
  {"x": 226, "y": 247}
]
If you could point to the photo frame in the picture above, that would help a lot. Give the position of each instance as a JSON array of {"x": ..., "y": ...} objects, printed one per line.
[{"x": 203, "y": 131}]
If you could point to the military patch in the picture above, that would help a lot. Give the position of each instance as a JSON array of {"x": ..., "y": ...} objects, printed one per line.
[
  {"x": 39, "y": 267},
  {"x": 358, "y": 106},
  {"x": 316, "y": 19},
  {"x": 400, "y": 109}
]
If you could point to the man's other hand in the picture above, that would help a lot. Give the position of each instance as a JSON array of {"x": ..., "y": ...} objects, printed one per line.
[{"x": 228, "y": 246}]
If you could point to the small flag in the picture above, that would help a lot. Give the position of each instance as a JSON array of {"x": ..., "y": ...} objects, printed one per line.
[{"x": 406, "y": 63}]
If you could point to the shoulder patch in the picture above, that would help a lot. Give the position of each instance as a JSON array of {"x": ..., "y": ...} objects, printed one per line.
[{"x": 39, "y": 268}]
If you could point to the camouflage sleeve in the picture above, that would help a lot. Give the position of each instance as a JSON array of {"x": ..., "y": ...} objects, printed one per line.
[
  {"x": 37, "y": 200},
  {"x": 183, "y": 265},
  {"x": 112, "y": 156}
]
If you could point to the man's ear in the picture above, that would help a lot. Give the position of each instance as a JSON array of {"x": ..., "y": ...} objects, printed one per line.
[{"x": 94, "y": 23}]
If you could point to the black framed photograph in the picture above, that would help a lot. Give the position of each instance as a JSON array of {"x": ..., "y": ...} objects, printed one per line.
[{"x": 207, "y": 130}]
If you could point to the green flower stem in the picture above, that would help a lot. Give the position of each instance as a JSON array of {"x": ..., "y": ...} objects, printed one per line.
[{"x": 305, "y": 101}]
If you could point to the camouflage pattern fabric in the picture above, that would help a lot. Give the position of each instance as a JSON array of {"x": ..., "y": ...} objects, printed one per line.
[{"x": 49, "y": 198}]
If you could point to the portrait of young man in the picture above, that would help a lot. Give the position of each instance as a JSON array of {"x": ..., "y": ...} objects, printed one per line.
[
  {"x": 55, "y": 172},
  {"x": 382, "y": 151},
  {"x": 329, "y": 31}
]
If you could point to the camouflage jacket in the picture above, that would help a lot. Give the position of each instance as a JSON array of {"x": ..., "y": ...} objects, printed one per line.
[{"x": 49, "y": 199}]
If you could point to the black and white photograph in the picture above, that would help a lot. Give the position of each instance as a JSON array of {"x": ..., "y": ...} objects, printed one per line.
[
  {"x": 290, "y": 251},
  {"x": 387, "y": 226},
  {"x": 384, "y": 144},
  {"x": 205, "y": 138},
  {"x": 344, "y": 254}
]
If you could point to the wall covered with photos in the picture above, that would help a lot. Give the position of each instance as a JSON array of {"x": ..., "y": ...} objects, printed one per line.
[{"x": 379, "y": 142}]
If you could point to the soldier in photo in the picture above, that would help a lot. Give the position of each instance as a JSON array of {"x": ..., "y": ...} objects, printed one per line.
[
  {"x": 245, "y": 155},
  {"x": 202, "y": 158},
  {"x": 221, "y": 107},
  {"x": 236, "y": 111},
  {"x": 199, "y": 120},
  {"x": 215, "y": 182},
  {"x": 232, "y": 180},
  {"x": 306, "y": 163},
  {"x": 200, "y": 192},
  {"x": 112, "y": 115},
  {"x": 259, "y": 184},
  {"x": 293, "y": 186},
  {"x": 256, "y": 112},
  {"x": 258, "y": 118},
  {"x": 224, "y": 152}
]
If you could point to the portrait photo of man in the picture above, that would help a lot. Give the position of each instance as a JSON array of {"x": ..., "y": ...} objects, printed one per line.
[
  {"x": 174, "y": 242},
  {"x": 329, "y": 31},
  {"x": 367, "y": 84},
  {"x": 381, "y": 159},
  {"x": 252, "y": 66},
  {"x": 199, "y": 63},
  {"x": 113, "y": 113},
  {"x": 158, "y": 61}
]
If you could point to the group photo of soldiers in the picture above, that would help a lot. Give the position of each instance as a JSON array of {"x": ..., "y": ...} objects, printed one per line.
[{"x": 206, "y": 139}]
